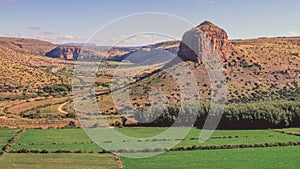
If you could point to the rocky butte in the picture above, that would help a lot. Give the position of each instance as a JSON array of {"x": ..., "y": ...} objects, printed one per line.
[
  {"x": 199, "y": 41},
  {"x": 65, "y": 52}
]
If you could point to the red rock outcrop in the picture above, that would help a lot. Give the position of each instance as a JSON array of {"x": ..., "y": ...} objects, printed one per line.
[{"x": 206, "y": 38}]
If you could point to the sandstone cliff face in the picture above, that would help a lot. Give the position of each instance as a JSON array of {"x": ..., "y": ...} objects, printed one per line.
[
  {"x": 65, "y": 52},
  {"x": 206, "y": 38}
]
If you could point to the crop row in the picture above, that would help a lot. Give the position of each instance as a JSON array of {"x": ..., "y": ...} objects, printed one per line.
[
  {"x": 212, "y": 147},
  {"x": 182, "y": 139}
]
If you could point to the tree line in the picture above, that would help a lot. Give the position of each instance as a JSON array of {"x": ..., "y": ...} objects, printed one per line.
[{"x": 256, "y": 115}]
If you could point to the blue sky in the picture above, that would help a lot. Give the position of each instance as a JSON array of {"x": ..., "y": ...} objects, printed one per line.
[{"x": 63, "y": 21}]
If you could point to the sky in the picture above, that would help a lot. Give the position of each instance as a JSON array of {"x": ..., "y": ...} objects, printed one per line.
[{"x": 66, "y": 21}]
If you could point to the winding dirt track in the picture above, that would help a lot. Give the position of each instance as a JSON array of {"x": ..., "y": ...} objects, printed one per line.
[{"x": 59, "y": 109}]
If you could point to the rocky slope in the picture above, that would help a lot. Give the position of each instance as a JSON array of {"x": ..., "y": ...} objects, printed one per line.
[{"x": 255, "y": 69}]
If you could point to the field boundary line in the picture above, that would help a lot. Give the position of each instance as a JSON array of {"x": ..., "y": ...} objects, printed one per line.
[
  {"x": 212, "y": 147},
  {"x": 11, "y": 142},
  {"x": 288, "y": 133},
  {"x": 118, "y": 161}
]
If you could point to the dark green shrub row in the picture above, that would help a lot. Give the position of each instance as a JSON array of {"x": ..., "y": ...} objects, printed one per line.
[
  {"x": 54, "y": 143},
  {"x": 212, "y": 147},
  {"x": 57, "y": 151},
  {"x": 30, "y": 151},
  {"x": 181, "y": 139}
]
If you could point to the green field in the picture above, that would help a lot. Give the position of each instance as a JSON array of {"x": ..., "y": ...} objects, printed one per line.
[
  {"x": 240, "y": 137},
  {"x": 61, "y": 161},
  {"x": 219, "y": 137},
  {"x": 56, "y": 139},
  {"x": 5, "y": 135},
  {"x": 76, "y": 139},
  {"x": 271, "y": 158}
]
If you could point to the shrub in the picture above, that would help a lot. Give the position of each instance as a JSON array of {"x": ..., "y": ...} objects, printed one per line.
[
  {"x": 62, "y": 151},
  {"x": 34, "y": 151},
  {"x": 44, "y": 151},
  {"x": 23, "y": 151},
  {"x": 71, "y": 115}
]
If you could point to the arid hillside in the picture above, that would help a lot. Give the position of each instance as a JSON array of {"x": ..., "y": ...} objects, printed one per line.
[
  {"x": 25, "y": 71},
  {"x": 28, "y": 46},
  {"x": 254, "y": 70}
]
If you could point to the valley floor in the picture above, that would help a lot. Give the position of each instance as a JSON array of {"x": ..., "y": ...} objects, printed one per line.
[{"x": 72, "y": 148}]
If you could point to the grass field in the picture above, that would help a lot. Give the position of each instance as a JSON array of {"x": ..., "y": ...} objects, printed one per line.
[
  {"x": 240, "y": 137},
  {"x": 275, "y": 158},
  {"x": 219, "y": 137},
  {"x": 5, "y": 135},
  {"x": 61, "y": 161},
  {"x": 56, "y": 139},
  {"x": 76, "y": 139}
]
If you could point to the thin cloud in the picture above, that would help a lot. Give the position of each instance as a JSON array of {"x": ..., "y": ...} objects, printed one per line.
[
  {"x": 292, "y": 33},
  {"x": 34, "y": 28},
  {"x": 68, "y": 37},
  {"x": 13, "y": 34},
  {"x": 138, "y": 40},
  {"x": 64, "y": 39},
  {"x": 46, "y": 33}
]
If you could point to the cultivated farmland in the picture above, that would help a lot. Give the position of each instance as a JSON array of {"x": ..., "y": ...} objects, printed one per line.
[{"x": 275, "y": 157}]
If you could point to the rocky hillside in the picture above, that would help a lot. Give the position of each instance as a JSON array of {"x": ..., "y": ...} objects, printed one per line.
[
  {"x": 255, "y": 69},
  {"x": 24, "y": 69}
]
